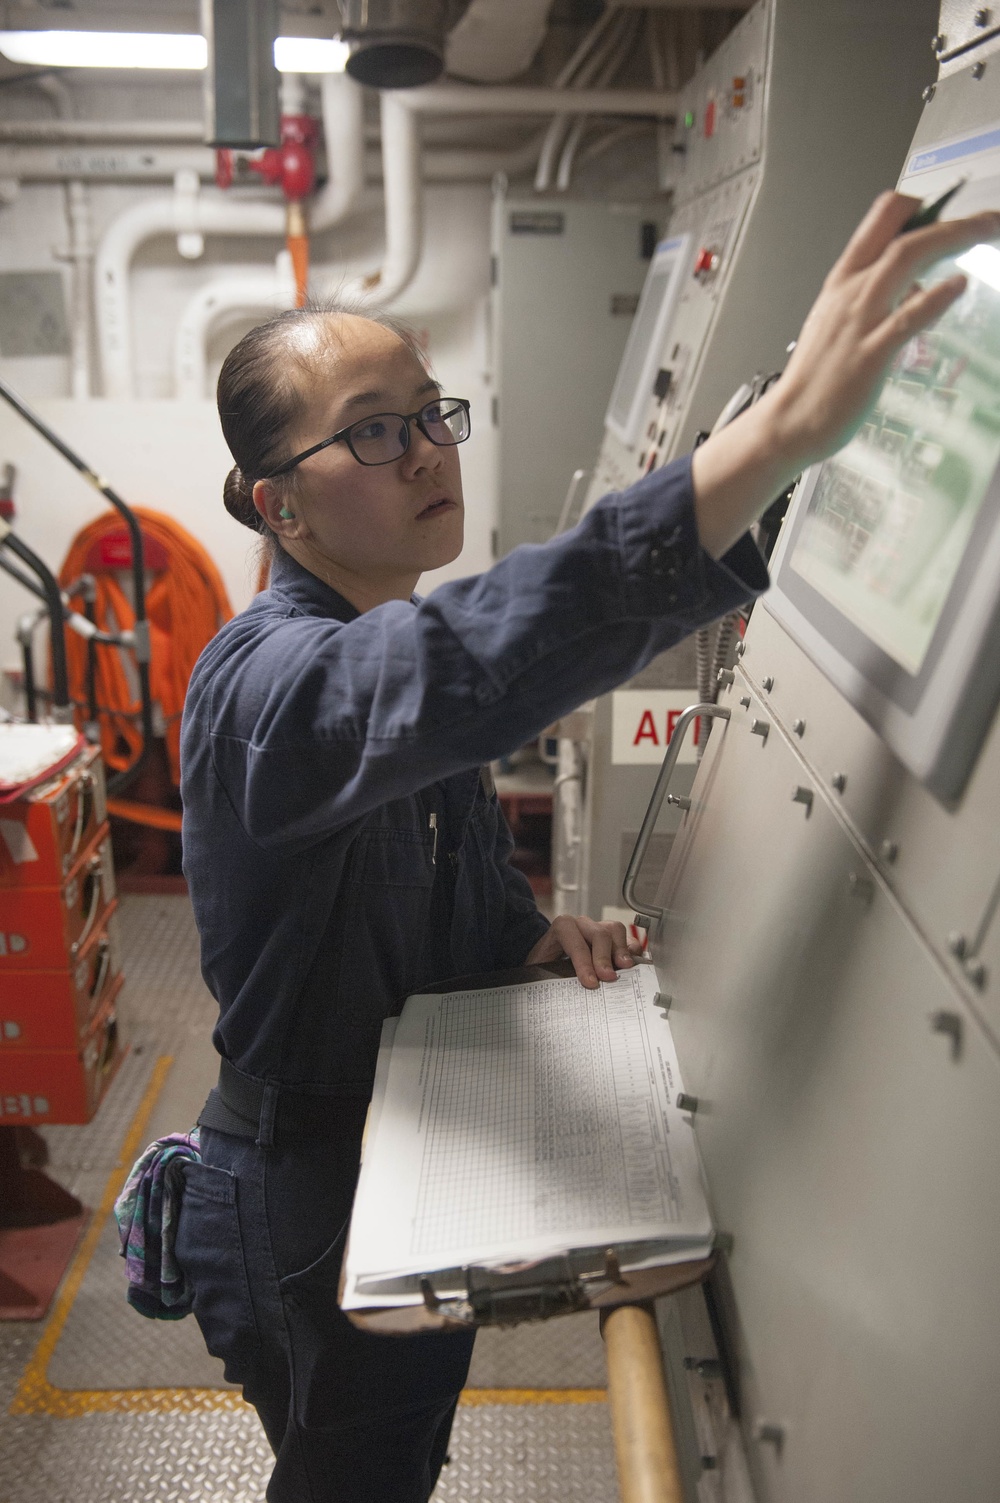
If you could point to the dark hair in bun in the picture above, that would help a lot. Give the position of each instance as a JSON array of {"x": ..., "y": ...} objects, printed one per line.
[{"x": 258, "y": 395}]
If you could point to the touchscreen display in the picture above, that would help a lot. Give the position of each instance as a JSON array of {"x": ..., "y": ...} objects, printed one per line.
[{"x": 891, "y": 514}]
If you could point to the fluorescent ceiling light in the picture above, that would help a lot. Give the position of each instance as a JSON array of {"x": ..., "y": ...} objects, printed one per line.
[
  {"x": 982, "y": 261},
  {"x": 310, "y": 55},
  {"x": 151, "y": 49}
]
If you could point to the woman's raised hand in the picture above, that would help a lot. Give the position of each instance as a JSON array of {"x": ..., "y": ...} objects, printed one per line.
[
  {"x": 598, "y": 950},
  {"x": 869, "y": 306}
]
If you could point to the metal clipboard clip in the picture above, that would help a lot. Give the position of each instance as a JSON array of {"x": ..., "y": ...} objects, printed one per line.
[{"x": 500, "y": 1297}]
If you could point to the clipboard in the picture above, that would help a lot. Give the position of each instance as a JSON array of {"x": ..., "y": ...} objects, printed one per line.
[{"x": 581, "y": 1279}]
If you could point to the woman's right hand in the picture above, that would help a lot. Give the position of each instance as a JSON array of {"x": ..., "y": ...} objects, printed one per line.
[{"x": 869, "y": 306}]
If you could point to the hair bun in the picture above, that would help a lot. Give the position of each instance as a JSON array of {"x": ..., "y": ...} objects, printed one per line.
[{"x": 237, "y": 495}]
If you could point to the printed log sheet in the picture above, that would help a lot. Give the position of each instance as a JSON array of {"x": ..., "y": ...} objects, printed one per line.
[{"x": 517, "y": 1122}]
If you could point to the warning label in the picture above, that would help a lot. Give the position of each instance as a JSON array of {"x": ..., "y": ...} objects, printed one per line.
[{"x": 643, "y": 721}]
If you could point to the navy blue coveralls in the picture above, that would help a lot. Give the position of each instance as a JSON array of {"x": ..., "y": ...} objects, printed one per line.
[{"x": 317, "y": 745}]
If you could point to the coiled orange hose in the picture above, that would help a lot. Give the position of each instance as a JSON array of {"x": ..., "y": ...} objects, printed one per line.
[{"x": 186, "y": 602}]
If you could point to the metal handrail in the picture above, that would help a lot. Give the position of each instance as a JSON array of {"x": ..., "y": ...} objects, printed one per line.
[{"x": 666, "y": 772}]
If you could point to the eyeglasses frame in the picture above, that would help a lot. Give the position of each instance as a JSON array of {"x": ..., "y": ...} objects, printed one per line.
[{"x": 344, "y": 436}]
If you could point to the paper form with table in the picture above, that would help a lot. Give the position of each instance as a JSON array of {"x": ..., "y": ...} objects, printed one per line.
[{"x": 518, "y": 1124}]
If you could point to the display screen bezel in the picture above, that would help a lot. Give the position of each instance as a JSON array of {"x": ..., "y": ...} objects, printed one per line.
[{"x": 905, "y": 689}]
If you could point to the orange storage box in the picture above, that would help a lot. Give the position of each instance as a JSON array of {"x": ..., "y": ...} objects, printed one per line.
[
  {"x": 45, "y": 928},
  {"x": 54, "y": 1009},
  {"x": 62, "y": 1085},
  {"x": 43, "y": 834}
]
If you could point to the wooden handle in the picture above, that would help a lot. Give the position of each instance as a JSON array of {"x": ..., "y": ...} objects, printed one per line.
[{"x": 648, "y": 1470}]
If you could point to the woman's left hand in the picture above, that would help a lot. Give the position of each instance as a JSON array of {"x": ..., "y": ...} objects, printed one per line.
[{"x": 598, "y": 950}]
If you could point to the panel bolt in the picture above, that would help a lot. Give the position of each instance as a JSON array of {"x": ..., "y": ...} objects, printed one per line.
[
  {"x": 766, "y": 1433},
  {"x": 950, "y": 1024},
  {"x": 939, "y": 42},
  {"x": 725, "y": 677},
  {"x": 839, "y": 781},
  {"x": 889, "y": 850},
  {"x": 678, "y": 801},
  {"x": 982, "y": 17},
  {"x": 741, "y": 648},
  {"x": 957, "y": 944},
  {"x": 767, "y": 684},
  {"x": 760, "y": 728},
  {"x": 861, "y": 887},
  {"x": 745, "y": 701},
  {"x": 978, "y": 69},
  {"x": 803, "y": 796},
  {"x": 928, "y": 93},
  {"x": 799, "y": 727},
  {"x": 686, "y": 1103},
  {"x": 976, "y": 972},
  {"x": 663, "y": 999}
]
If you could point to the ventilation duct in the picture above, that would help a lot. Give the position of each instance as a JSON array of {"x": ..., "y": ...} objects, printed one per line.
[{"x": 397, "y": 44}]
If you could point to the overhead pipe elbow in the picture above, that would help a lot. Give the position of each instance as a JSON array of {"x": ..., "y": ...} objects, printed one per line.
[
  {"x": 251, "y": 294},
  {"x": 186, "y": 212},
  {"x": 404, "y": 220},
  {"x": 343, "y": 131}
]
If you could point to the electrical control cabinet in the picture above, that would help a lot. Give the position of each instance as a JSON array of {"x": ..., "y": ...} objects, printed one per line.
[
  {"x": 826, "y": 937},
  {"x": 781, "y": 141}
]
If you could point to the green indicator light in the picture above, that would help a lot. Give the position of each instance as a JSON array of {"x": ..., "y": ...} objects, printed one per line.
[{"x": 688, "y": 119}]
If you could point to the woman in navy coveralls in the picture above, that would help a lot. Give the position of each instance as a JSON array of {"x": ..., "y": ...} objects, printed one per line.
[{"x": 341, "y": 845}]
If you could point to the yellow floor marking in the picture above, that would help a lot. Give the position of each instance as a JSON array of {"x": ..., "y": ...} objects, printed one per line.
[{"x": 36, "y": 1395}]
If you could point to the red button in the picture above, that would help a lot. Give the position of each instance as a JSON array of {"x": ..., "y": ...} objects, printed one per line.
[
  {"x": 707, "y": 261},
  {"x": 710, "y": 119}
]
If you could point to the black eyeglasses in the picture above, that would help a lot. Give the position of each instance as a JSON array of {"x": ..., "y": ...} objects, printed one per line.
[{"x": 386, "y": 436}]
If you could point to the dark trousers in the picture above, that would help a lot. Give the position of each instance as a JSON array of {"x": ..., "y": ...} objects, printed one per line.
[{"x": 351, "y": 1417}]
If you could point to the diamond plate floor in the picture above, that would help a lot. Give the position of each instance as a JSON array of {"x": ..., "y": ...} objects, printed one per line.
[{"x": 207, "y": 1446}]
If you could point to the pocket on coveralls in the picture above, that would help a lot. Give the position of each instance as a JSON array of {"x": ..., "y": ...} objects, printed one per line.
[{"x": 209, "y": 1250}]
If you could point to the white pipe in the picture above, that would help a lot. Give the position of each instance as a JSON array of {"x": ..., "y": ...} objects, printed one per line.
[
  {"x": 404, "y": 220},
  {"x": 40, "y": 163},
  {"x": 187, "y": 212},
  {"x": 128, "y": 131},
  {"x": 261, "y": 292},
  {"x": 81, "y": 252},
  {"x": 343, "y": 131},
  {"x": 603, "y": 70},
  {"x": 466, "y": 99}
]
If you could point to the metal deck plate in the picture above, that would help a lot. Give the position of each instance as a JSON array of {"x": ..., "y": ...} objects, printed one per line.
[{"x": 202, "y": 1443}]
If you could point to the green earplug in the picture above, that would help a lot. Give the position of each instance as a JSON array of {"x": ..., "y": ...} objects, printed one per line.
[{"x": 289, "y": 516}]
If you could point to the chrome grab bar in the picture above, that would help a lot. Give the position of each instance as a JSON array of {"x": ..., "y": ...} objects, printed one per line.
[{"x": 666, "y": 772}]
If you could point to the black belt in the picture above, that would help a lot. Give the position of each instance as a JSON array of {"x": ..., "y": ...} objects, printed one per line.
[{"x": 271, "y": 1113}]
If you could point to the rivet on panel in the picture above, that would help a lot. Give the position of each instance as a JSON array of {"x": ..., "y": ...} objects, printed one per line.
[
  {"x": 686, "y": 1103},
  {"x": 745, "y": 701},
  {"x": 760, "y": 728},
  {"x": 978, "y": 69},
  {"x": 861, "y": 887},
  {"x": 976, "y": 972},
  {"x": 950, "y": 1024},
  {"x": 889, "y": 850},
  {"x": 799, "y": 727},
  {"x": 767, "y": 1433},
  {"x": 982, "y": 17},
  {"x": 957, "y": 944},
  {"x": 939, "y": 42},
  {"x": 803, "y": 796},
  {"x": 663, "y": 999},
  {"x": 725, "y": 677},
  {"x": 928, "y": 93},
  {"x": 839, "y": 781},
  {"x": 741, "y": 648},
  {"x": 678, "y": 801},
  {"x": 767, "y": 683}
]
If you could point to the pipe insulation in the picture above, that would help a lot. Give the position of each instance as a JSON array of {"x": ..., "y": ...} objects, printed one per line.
[
  {"x": 493, "y": 43},
  {"x": 261, "y": 292}
]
